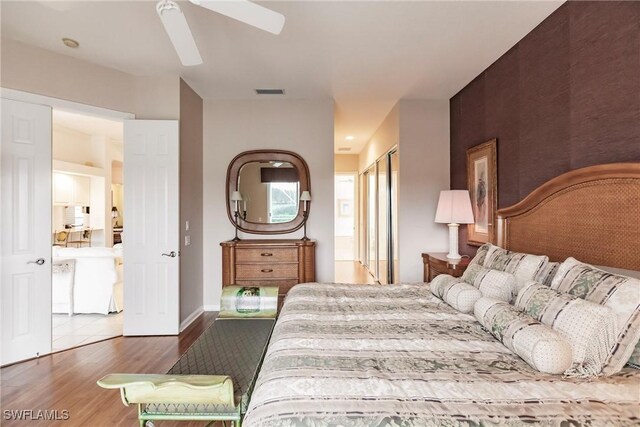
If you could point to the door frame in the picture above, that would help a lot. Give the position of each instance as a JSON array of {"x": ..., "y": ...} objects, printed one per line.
[
  {"x": 62, "y": 105},
  {"x": 356, "y": 210}
]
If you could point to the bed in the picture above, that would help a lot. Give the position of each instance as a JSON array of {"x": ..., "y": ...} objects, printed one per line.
[{"x": 397, "y": 355}]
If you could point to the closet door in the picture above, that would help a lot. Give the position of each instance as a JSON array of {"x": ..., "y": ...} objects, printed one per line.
[
  {"x": 372, "y": 245},
  {"x": 362, "y": 223},
  {"x": 383, "y": 221},
  {"x": 394, "y": 169}
]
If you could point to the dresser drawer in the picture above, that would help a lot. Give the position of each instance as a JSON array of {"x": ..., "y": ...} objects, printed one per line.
[
  {"x": 266, "y": 255},
  {"x": 267, "y": 271}
]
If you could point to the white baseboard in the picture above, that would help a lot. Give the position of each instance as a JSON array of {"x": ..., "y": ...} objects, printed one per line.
[
  {"x": 212, "y": 307},
  {"x": 193, "y": 316}
]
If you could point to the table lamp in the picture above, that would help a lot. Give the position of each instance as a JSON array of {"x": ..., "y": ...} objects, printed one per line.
[{"x": 454, "y": 208}]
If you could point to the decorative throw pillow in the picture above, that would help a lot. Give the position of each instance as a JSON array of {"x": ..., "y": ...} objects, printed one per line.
[
  {"x": 587, "y": 326},
  {"x": 481, "y": 254},
  {"x": 634, "y": 360},
  {"x": 539, "y": 345},
  {"x": 620, "y": 293},
  {"x": 547, "y": 273},
  {"x": 455, "y": 292},
  {"x": 524, "y": 266},
  {"x": 495, "y": 284}
]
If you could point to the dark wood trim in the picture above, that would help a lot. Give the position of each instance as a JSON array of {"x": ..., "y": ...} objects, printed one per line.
[{"x": 233, "y": 173}]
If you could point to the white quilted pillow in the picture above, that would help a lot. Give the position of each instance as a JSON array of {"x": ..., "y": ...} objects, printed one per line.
[
  {"x": 539, "y": 345},
  {"x": 455, "y": 292},
  {"x": 495, "y": 284}
]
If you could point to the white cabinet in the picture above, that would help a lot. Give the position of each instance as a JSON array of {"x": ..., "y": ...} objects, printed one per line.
[
  {"x": 81, "y": 190},
  {"x": 62, "y": 189},
  {"x": 71, "y": 189}
]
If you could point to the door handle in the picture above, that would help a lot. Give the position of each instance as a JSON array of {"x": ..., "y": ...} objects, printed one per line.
[
  {"x": 267, "y": 270},
  {"x": 171, "y": 254},
  {"x": 39, "y": 261}
]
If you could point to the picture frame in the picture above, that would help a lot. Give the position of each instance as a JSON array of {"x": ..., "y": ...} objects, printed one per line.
[{"x": 482, "y": 182}]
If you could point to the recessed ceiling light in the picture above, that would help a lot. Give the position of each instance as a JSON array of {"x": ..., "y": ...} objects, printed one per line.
[
  {"x": 350, "y": 137},
  {"x": 70, "y": 43}
]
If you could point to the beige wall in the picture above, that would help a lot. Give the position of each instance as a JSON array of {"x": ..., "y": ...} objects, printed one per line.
[
  {"x": 346, "y": 163},
  {"x": 424, "y": 171},
  {"x": 191, "y": 257},
  {"x": 231, "y": 127},
  {"x": 386, "y": 136},
  {"x": 31, "y": 69}
]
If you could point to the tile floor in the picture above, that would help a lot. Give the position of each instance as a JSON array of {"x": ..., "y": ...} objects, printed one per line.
[{"x": 80, "y": 329}]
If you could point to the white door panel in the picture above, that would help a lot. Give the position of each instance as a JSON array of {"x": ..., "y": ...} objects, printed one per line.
[
  {"x": 151, "y": 279},
  {"x": 26, "y": 231}
]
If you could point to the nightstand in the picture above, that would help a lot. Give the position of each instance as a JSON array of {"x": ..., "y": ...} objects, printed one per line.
[{"x": 438, "y": 263}]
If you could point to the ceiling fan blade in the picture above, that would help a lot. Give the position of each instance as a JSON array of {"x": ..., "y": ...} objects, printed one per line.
[
  {"x": 247, "y": 12},
  {"x": 179, "y": 33}
]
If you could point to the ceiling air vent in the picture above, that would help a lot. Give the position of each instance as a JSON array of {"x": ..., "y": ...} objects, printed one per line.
[
  {"x": 270, "y": 91},
  {"x": 344, "y": 148}
]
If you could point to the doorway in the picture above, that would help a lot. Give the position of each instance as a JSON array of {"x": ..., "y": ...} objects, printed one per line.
[
  {"x": 152, "y": 153},
  {"x": 87, "y": 221},
  {"x": 348, "y": 265},
  {"x": 345, "y": 216}
]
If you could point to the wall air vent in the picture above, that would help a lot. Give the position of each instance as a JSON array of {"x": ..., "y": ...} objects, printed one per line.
[
  {"x": 344, "y": 148},
  {"x": 270, "y": 91}
]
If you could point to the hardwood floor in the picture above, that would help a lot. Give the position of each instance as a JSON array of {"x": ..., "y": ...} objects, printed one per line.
[
  {"x": 67, "y": 380},
  {"x": 352, "y": 272}
]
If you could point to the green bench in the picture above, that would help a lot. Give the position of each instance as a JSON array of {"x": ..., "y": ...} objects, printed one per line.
[{"x": 214, "y": 379}]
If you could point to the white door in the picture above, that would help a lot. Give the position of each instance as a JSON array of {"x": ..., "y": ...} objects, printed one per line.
[
  {"x": 26, "y": 231},
  {"x": 151, "y": 239}
]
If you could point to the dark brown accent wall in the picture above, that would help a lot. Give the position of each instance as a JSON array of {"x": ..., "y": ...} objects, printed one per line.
[{"x": 566, "y": 96}]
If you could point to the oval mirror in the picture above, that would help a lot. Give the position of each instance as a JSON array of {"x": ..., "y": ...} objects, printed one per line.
[{"x": 264, "y": 187}]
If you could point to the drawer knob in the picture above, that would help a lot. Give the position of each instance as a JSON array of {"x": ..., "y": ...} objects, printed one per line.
[
  {"x": 267, "y": 270},
  {"x": 266, "y": 254}
]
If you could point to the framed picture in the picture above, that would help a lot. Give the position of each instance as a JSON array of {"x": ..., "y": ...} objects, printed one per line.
[{"x": 482, "y": 181}]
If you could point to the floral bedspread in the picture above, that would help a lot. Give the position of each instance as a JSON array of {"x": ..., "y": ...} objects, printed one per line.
[{"x": 372, "y": 355}]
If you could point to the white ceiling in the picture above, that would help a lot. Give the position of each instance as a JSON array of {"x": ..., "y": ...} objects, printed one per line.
[
  {"x": 88, "y": 125},
  {"x": 365, "y": 55}
]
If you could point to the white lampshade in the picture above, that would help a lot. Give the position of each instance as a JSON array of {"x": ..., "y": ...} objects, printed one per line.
[
  {"x": 454, "y": 207},
  {"x": 305, "y": 196},
  {"x": 236, "y": 196}
]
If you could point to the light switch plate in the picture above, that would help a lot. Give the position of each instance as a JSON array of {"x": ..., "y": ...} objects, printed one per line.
[
  {"x": 186, "y": 225},
  {"x": 187, "y": 240}
]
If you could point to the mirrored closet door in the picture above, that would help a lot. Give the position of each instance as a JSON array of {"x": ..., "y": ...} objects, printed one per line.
[{"x": 379, "y": 207}]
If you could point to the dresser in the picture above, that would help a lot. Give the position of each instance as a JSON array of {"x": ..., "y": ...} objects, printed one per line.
[
  {"x": 437, "y": 263},
  {"x": 277, "y": 262}
]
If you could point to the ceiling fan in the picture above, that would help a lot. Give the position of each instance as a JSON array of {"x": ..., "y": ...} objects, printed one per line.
[{"x": 245, "y": 11}]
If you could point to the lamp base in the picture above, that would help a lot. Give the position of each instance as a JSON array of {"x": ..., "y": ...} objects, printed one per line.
[{"x": 453, "y": 242}]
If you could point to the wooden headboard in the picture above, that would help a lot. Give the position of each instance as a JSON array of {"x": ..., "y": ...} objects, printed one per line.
[{"x": 592, "y": 214}]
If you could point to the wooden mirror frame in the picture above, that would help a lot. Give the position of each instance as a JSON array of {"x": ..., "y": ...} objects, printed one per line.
[{"x": 233, "y": 174}]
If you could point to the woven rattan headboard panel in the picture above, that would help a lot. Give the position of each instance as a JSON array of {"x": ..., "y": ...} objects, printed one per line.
[{"x": 592, "y": 214}]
